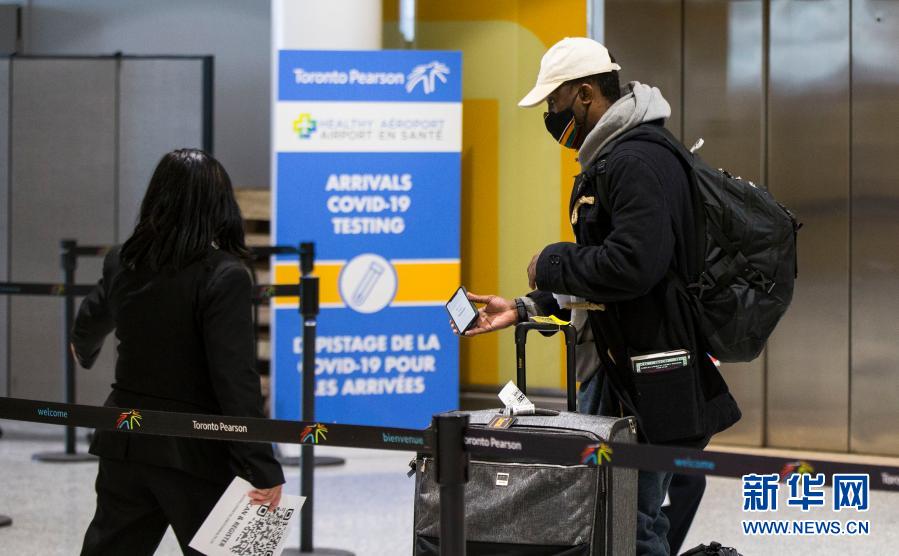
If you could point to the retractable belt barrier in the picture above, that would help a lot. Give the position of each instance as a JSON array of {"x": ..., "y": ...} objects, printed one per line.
[
  {"x": 548, "y": 448},
  {"x": 197, "y": 425},
  {"x": 33, "y": 288},
  {"x": 261, "y": 292}
]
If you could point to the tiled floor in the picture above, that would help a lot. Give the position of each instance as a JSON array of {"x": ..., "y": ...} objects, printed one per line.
[{"x": 364, "y": 506}]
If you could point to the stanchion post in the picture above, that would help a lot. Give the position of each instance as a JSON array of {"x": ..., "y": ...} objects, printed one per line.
[
  {"x": 308, "y": 314},
  {"x": 69, "y": 261},
  {"x": 452, "y": 474}
]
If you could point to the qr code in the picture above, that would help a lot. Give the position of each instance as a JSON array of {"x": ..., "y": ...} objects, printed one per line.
[{"x": 263, "y": 533}]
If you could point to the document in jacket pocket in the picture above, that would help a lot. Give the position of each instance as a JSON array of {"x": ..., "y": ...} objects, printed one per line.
[
  {"x": 660, "y": 362},
  {"x": 235, "y": 526}
]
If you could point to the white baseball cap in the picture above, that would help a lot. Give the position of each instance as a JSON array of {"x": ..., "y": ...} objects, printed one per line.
[{"x": 570, "y": 58}]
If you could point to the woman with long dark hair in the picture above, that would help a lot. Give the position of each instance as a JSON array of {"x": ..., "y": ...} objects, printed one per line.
[{"x": 178, "y": 296}]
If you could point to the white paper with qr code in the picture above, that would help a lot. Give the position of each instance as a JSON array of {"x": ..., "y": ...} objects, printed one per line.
[{"x": 234, "y": 526}]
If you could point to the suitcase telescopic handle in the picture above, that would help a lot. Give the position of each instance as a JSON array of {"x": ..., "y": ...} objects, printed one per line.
[{"x": 521, "y": 337}]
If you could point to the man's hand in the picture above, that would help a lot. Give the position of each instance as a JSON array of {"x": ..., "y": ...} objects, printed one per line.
[
  {"x": 270, "y": 497},
  {"x": 532, "y": 271},
  {"x": 496, "y": 314}
]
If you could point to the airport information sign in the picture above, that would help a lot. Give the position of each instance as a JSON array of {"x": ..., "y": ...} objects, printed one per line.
[{"x": 367, "y": 165}]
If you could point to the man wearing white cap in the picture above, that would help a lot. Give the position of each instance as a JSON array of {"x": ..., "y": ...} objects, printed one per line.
[{"x": 631, "y": 210}]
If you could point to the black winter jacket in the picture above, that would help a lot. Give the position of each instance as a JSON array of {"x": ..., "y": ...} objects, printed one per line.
[
  {"x": 185, "y": 344},
  {"x": 629, "y": 259}
]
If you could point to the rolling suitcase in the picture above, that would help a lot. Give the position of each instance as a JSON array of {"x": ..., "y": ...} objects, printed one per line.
[{"x": 529, "y": 508}]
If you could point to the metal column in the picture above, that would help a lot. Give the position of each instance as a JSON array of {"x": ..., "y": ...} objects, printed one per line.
[
  {"x": 808, "y": 171},
  {"x": 874, "y": 380},
  {"x": 644, "y": 36}
]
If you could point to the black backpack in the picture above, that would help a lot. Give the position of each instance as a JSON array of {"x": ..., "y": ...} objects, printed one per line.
[{"x": 744, "y": 283}]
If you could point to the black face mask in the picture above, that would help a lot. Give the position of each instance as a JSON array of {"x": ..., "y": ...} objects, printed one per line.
[{"x": 564, "y": 128}]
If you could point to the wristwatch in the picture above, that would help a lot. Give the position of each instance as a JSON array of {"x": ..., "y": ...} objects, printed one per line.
[{"x": 522, "y": 310}]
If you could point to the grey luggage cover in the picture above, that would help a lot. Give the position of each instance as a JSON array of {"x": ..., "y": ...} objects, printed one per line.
[{"x": 533, "y": 504}]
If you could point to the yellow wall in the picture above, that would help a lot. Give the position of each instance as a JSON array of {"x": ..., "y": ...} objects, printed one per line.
[{"x": 515, "y": 178}]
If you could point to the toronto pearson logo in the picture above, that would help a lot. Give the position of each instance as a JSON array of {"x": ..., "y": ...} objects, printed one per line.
[
  {"x": 304, "y": 126},
  {"x": 595, "y": 454},
  {"x": 313, "y": 434},
  {"x": 800, "y": 467},
  {"x": 427, "y": 75},
  {"x": 129, "y": 420}
]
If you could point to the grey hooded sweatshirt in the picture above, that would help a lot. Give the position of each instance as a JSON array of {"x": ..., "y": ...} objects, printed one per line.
[{"x": 639, "y": 103}]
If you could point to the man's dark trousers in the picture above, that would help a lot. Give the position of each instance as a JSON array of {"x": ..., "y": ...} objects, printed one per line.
[
  {"x": 652, "y": 523},
  {"x": 685, "y": 493}
]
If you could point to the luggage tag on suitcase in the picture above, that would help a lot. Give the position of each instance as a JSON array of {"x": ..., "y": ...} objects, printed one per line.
[
  {"x": 500, "y": 421},
  {"x": 515, "y": 401}
]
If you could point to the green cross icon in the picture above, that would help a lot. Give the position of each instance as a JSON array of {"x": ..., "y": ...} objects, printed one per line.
[{"x": 305, "y": 126}]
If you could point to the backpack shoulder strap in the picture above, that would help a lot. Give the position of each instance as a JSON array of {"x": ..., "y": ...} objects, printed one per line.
[
  {"x": 652, "y": 133},
  {"x": 597, "y": 171},
  {"x": 661, "y": 136}
]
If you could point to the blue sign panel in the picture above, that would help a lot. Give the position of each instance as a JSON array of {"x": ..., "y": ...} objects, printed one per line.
[
  {"x": 371, "y": 202},
  {"x": 368, "y": 167},
  {"x": 396, "y": 367}
]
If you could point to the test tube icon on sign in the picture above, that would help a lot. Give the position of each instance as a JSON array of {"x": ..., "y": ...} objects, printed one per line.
[{"x": 367, "y": 284}]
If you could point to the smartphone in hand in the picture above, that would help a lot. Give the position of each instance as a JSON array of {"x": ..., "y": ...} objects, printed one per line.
[{"x": 462, "y": 311}]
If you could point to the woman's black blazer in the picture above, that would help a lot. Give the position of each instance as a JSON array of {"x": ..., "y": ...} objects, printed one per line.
[{"x": 185, "y": 343}]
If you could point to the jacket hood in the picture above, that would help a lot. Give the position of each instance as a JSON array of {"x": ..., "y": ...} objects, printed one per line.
[{"x": 640, "y": 103}]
